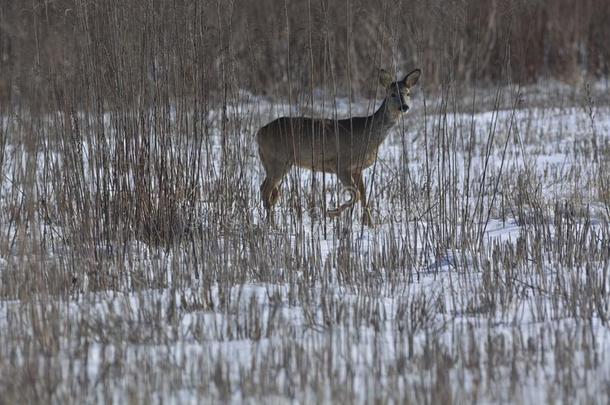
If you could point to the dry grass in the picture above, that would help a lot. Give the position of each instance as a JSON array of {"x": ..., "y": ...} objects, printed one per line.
[{"x": 135, "y": 262}]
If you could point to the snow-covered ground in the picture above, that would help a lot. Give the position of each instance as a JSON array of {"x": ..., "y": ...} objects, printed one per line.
[{"x": 484, "y": 280}]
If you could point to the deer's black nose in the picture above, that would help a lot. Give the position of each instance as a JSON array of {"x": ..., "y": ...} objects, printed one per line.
[{"x": 404, "y": 108}]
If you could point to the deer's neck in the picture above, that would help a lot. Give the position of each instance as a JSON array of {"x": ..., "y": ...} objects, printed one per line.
[{"x": 382, "y": 121}]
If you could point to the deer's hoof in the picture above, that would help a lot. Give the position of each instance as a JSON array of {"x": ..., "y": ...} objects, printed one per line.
[
  {"x": 367, "y": 219},
  {"x": 334, "y": 213}
]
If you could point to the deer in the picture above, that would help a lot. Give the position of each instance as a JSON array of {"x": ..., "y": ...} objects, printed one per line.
[{"x": 344, "y": 147}]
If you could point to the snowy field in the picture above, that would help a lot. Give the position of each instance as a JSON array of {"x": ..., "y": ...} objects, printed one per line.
[{"x": 136, "y": 264}]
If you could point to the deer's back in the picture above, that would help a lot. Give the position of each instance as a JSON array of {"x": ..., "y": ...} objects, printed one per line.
[{"x": 317, "y": 144}]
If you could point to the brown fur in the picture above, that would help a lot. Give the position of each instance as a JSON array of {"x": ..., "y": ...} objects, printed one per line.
[{"x": 344, "y": 147}]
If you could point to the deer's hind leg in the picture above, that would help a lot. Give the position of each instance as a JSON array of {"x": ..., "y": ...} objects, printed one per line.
[{"x": 270, "y": 192}]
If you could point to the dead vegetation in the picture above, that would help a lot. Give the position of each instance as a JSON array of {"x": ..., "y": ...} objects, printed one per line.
[{"x": 135, "y": 262}]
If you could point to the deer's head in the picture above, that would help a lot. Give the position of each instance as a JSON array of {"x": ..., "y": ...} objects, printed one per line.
[{"x": 398, "y": 93}]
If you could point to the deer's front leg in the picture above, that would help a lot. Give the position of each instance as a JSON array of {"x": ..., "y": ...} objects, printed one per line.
[
  {"x": 366, "y": 213},
  {"x": 350, "y": 188}
]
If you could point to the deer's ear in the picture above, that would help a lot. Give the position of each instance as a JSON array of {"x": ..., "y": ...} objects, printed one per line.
[
  {"x": 411, "y": 78},
  {"x": 385, "y": 79}
]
